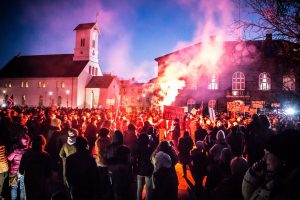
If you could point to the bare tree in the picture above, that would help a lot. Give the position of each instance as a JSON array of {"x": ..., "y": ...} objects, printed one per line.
[{"x": 279, "y": 17}]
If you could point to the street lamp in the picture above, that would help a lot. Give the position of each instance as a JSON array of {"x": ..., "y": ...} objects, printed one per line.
[
  {"x": 67, "y": 92},
  {"x": 4, "y": 92},
  {"x": 50, "y": 97}
]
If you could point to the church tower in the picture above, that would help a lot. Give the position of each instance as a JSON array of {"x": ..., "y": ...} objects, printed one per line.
[{"x": 86, "y": 43}]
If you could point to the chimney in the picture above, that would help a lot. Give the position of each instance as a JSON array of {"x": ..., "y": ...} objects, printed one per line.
[{"x": 269, "y": 37}]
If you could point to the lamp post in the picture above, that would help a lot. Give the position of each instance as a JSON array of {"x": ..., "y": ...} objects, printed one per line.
[
  {"x": 4, "y": 92},
  {"x": 50, "y": 97}
]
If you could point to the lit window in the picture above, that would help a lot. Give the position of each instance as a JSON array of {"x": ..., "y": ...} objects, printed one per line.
[
  {"x": 9, "y": 85},
  {"x": 213, "y": 82},
  {"x": 44, "y": 84},
  {"x": 39, "y": 84},
  {"x": 63, "y": 85},
  {"x": 26, "y": 84},
  {"x": 238, "y": 81},
  {"x": 289, "y": 82},
  {"x": 22, "y": 84},
  {"x": 264, "y": 81}
]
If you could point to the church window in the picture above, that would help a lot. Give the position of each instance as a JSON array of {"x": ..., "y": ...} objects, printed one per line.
[
  {"x": 96, "y": 72},
  {"x": 213, "y": 82},
  {"x": 22, "y": 84},
  {"x": 90, "y": 70},
  {"x": 238, "y": 81},
  {"x": 39, "y": 84},
  {"x": 289, "y": 82},
  {"x": 82, "y": 42},
  {"x": 264, "y": 81},
  {"x": 94, "y": 39}
]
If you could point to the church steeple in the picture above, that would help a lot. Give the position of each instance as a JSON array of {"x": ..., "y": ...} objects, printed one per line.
[{"x": 86, "y": 43}]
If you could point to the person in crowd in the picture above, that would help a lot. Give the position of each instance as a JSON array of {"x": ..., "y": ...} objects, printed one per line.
[
  {"x": 167, "y": 147},
  {"x": 68, "y": 149},
  {"x": 277, "y": 175},
  {"x": 117, "y": 140},
  {"x": 185, "y": 145},
  {"x": 198, "y": 166},
  {"x": 91, "y": 133},
  {"x": 200, "y": 133},
  {"x": 164, "y": 183},
  {"x": 3, "y": 166},
  {"x": 216, "y": 149},
  {"x": 81, "y": 172},
  {"x": 144, "y": 166},
  {"x": 103, "y": 141},
  {"x": 35, "y": 165},
  {"x": 152, "y": 134},
  {"x": 236, "y": 141},
  {"x": 175, "y": 131},
  {"x": 16, "y": 180},
  {"x": 218, "y": 170},
  {"x": 229, "y": 188},
  {"x": 121, "y": 174}
]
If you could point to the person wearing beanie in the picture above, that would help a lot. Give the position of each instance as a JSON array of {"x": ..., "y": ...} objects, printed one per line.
[
  {"x": 81, "y": 172},
  {"x": 36, "y": 180},
  {"x": 277, "y": 175},
  {"x": 68, "y": 149},
  {"x": 164, "y": 183},
  {"x": 220, "y": 144}
]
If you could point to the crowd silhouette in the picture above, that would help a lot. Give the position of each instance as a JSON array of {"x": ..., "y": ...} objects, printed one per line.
[{"x": 96, "y": 154}]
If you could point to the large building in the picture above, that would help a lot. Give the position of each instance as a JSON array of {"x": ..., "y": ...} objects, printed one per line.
[
  {"x": 67, "y": 80},
  {"x": 248, "y": 75}
]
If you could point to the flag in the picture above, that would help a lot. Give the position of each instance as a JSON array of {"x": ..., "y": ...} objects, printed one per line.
[{"x": 10, "y": 101}]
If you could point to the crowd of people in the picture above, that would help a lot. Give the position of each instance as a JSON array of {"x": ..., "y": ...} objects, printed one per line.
[{"x": 94, "y": 154}]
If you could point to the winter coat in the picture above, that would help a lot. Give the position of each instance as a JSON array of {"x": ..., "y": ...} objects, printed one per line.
[
  {"x": 36, "y": 167},
  {"x": 15, "y": 159},
  {"x": 185, "y": 144},
  {"x": 165, "y": 184},
  {"x": 82, "y": 175}
]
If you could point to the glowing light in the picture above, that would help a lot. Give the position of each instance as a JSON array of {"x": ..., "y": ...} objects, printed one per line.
[
  {"x": 3, "y": 105},
  {"x": 290, "y": 111},
  {"x": 50, "y": 93}
]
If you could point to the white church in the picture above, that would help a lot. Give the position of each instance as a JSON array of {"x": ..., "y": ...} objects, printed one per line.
[{"x": 65, "y": 80}]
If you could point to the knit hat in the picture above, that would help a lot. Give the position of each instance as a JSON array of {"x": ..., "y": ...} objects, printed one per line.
[
  {"x": 220, "y": 135},
  {"x": 72, "y": 132},
  {"x": 162, "y": 160},
  {"x": 103, "y": 132},
  {"x": 285, "y": 146}
]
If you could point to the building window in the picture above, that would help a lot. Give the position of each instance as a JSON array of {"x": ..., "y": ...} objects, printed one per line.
[
  {"x": 289, "y": 82},
  {"x": 264, "y": 81},
  {"x": 213, "y": 82},
  {"x": 43, "y": 84},
  {"x": 9, "y": 84},
  {"x": 39, "y": 84},
  {"x": 94, "y": 39},
  {"x": 63, "y": 85},
  {"x": 26, "y": 84},
  {"x": 93, "y": 70},
  {"x": 90, "y": 70},
  {"x": 96, "y": 72},
  {"x": 41, "y": 101},
  {"x": 22, "y": 84},
  {"x": 82, "y": 42},
  {"x": 238, "y": 81},
  {"x": 57, "y": 84}
]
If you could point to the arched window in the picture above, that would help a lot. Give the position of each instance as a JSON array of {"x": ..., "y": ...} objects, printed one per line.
[
  {"x": 90, "y": 70},
  {"x": 96, "y": 72},
  {"x": 264, "y": 81},
  {"x": 213, "y": 82},
  {"x": 238, "y": 81},
  {"x": 289, "y": 81}
]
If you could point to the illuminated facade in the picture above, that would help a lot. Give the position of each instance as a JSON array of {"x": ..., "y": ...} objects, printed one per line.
[
  {"x": 44, "y": 80},
  {"x": 248, "y": 75}
]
